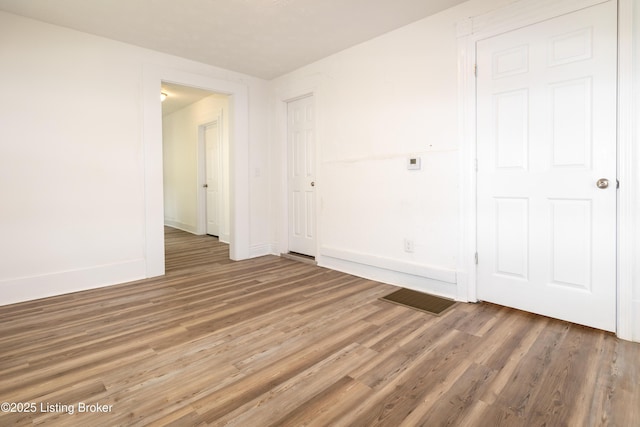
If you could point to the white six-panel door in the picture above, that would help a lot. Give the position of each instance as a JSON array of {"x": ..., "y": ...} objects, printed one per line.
[
  {"x": 546, "y": 141},
  {"x": 301, "y": 176}
]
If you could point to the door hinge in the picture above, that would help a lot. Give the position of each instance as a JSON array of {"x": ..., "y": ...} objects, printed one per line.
[
  {"x": 617, "y": 183},
  {"x": 475, "y": 70},
  {"x": 476, "y": 258}
]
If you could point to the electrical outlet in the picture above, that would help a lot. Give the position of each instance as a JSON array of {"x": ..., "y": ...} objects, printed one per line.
[
  {"x": 408, "y": 245},
  {"x": 414, "y": 163}
]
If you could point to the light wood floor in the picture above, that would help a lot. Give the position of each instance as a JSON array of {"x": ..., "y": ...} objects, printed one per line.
[{"x": 272, "y": 342}]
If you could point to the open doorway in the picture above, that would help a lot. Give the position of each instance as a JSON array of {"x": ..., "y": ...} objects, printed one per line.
[
  {"x": 239, "y": 242},
  {"x": 196, "y": 169}
]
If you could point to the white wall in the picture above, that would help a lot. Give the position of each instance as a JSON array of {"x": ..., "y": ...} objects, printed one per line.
[
  {"x": 72, "y": 212},
  {"x": 180, "y": 143},
  {"x": 378, "y": 104}
]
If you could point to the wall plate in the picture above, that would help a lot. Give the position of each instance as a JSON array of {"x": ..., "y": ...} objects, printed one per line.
[{"x": 414, "y": 163}]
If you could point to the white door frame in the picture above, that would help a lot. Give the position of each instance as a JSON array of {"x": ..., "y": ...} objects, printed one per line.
[
  {"x": 238, "y": 130},
  {"x": 288, "y": 168},
  {"x": 311, "y": 86},
  {"x": 517, "y": 15}
]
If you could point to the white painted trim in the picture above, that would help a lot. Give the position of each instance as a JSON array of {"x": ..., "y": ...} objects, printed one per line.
[
  {"x": 153, "y": 169},
  {"x": 466, "y": 290},
  {"x": 391, "y": 277},
  {"x": 628, "y": 159},
  {"x": 153, "y": 76},
  {"x": 414, "y": 269},
  {"x": 516, "y": 15},
  {"x": 65, "y": 282},
  {"x": 635, "y": 320},
  {"x": 181, "y": 226},
  {"x": 262, "y": 250}
]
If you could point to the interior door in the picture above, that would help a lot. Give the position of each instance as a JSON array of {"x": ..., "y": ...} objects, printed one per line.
[
  {"x": 546, "y": 144},
  {"x": 213, "y": 167},
  {"x": 301, "y": 176}
]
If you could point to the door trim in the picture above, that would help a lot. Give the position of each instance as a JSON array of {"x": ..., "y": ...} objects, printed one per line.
[
  {"x": 522, "y": 13},
  {"x": 311, "y": 86},
  {"x": 283, "y": 246},
  {"x": 629, "y": 177},
  {"x": 288, "y": 168}
]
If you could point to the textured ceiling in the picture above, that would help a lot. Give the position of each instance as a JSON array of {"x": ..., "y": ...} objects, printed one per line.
[{"x": 262, "y": 38}]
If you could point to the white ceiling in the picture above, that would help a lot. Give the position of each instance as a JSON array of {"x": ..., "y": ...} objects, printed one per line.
[{"x": 262, "y": 38}]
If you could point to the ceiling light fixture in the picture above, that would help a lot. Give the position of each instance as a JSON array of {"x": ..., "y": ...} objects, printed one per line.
[{"x": 163, "y": 96}]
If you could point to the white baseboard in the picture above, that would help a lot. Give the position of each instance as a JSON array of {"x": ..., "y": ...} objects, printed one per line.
[
  {"x": 418, "y": 277},
  {"x": 261, "y": 250},
  {"x": 181, "y": 226},
  {"x": 36, "y": 287},
  {"x": 636, "y": 321}
]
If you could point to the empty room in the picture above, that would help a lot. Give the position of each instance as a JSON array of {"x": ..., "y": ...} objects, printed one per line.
[{"x": 320, "y": 213}]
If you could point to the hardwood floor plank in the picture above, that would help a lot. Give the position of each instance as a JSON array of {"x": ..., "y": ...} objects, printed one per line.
[
  {"x": 520, "y": 395},
  {"x": 395, "y": 361},
  {"x": 271, "y": 407},
  {"x": 615, "y": 383},
  {"x": 507, "y": 370},
  {"x": 273, "y": 342},
  {"x": 396, "y": 399},
  {"x": 566, "y": 384},
  {"x": 474, "y": 375},
  {"x": 452, "y": 405},
  {"x": 327, "y": 405},
  {"x": 265, "y": 379}
]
